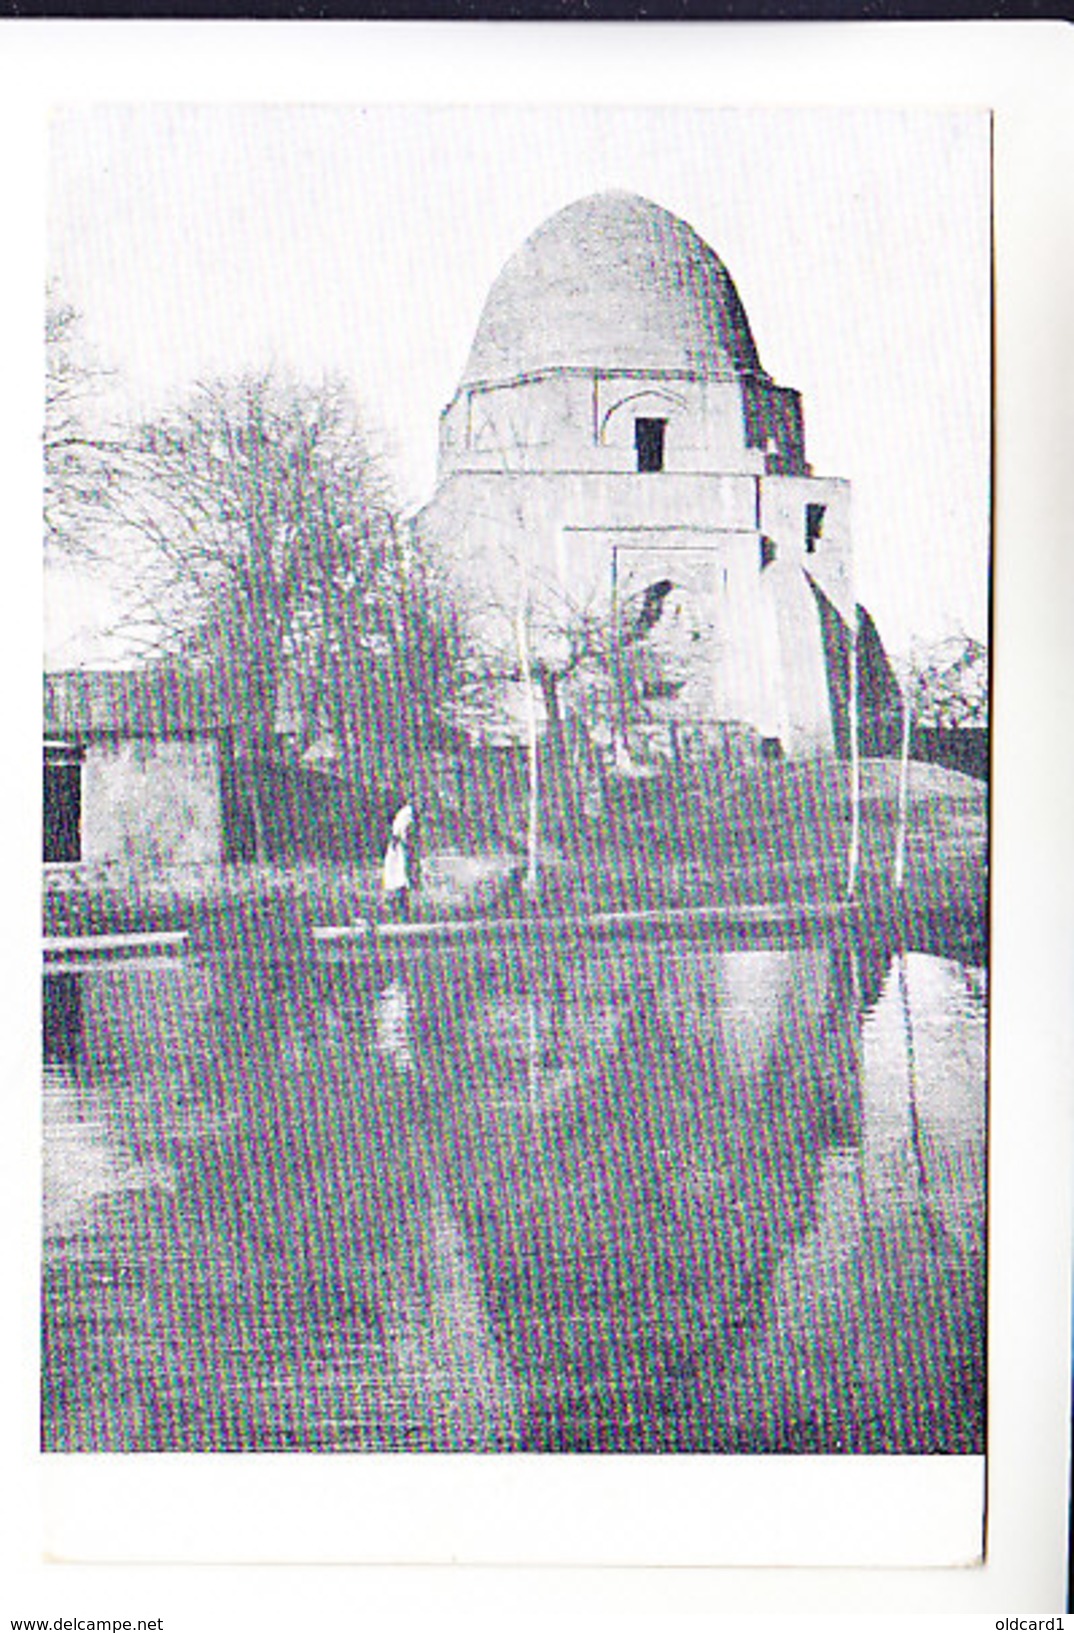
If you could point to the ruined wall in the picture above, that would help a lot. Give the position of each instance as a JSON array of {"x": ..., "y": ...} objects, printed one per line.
[{"x": 151, "y": 803}]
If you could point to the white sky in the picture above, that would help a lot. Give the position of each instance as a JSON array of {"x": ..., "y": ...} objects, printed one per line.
[{"x": 198, "y": 240}]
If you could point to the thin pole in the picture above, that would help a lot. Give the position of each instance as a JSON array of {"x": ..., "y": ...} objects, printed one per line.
[
  {"x": 855, "y": 767},
  {"x": 904, "y": 789},
  {"x": 618, "y": 711},
  {"x": 529, "y": 883}
]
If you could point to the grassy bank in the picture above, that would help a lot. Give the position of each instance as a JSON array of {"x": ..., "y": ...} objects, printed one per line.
[{"x": 779, "y": 834}]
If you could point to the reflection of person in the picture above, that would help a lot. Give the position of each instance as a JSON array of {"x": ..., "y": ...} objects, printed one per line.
[
  {"x": 391, "y": 1022},
  {"x": 399, "y": 874}
]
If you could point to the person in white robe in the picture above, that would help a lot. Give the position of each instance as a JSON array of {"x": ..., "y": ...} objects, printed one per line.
[{"x": 398, "y": 873}]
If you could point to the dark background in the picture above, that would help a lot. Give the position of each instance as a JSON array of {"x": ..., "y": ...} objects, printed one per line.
[{"x": 551, "y": 10}]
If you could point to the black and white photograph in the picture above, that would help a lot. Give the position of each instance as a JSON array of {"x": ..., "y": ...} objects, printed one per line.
[
  {"x": 515, "y": 792},
  {"x": 517, "y": 780}
]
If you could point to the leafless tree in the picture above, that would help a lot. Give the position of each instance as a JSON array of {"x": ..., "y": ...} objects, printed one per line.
[
  {"x": 274, "y": 557},
  {"x": 581, "y": 654},
  {"x": 585, "y": 665},
  {"x": 949, "y": 683},
  {"x": 84, "y": 464}
]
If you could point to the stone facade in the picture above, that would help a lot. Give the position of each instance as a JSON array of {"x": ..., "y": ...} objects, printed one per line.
[{"x": 615, "y": 449}]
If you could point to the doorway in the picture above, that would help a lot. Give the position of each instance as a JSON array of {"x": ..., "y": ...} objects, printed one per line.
[{"x": 62, "y": 804}]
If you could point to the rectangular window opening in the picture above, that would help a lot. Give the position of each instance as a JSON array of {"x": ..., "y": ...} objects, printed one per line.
[
  {"x": 814, "y": 526},
  {"x": 649, "y": 442}
]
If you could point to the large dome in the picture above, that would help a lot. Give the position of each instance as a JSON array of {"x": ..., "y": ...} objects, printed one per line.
[{"x": 612, "y": 282}]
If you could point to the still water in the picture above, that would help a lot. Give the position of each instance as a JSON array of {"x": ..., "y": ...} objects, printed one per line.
[{"x": 642, "y": 1196}]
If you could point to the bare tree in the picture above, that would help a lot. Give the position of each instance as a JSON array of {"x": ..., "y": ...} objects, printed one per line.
[
  {"x": 581, "y": 655},
  {"x": 949, "y": 683},
  {"x": 273, "y": 557},
  {"x": 84, "y": 466},
  {"x": 585, "y": 669}
]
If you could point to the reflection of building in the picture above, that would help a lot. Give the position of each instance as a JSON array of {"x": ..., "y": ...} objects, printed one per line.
[
  {"x": 615, "y": 443},
  {"x": 661, "y": 1119},
  {"x": 132, "y": 769}
]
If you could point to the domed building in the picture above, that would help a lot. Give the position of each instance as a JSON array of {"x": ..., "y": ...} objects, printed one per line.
[{"x": 616, "y": 457}]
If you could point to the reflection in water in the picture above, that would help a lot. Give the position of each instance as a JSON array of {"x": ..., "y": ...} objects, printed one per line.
[
  {"x": 650, "y": 1196},
  {"x": 392, "y": 1025},
  {"x": 61, "y": 1016}
]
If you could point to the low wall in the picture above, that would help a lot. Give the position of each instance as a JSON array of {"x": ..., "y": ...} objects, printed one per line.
[{"x": 151, "y": 802}]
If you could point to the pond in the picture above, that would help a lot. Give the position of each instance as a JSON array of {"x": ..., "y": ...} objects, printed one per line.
[{"x": 636, "y": 1196}]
